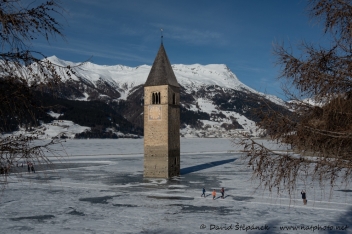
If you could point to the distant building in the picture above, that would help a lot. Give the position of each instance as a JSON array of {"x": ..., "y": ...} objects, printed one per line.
[{"x": 161, "y": 120}]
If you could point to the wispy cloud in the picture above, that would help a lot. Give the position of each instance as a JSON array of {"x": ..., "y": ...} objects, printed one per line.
[
  {"x": 192, "y": 36},
  {"x": 94, "y": 51}
]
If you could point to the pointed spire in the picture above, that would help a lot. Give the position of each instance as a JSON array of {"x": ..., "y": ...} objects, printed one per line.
[
  {"x": 161, "y": 72},
  {"x": 162, "y": 37}
]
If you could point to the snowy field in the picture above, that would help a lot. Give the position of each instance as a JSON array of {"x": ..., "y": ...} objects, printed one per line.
[{"x": 99, "y": 188}]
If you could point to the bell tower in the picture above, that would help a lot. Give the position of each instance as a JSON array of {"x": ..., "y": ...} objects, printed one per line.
[{"x": 161, "y": 120}]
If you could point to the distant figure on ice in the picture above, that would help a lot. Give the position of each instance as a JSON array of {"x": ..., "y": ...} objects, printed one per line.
[
  {"x": 203, "y": 194},
  {"x": 29, "y": 168},
  {"x": 214, "y": 194},
  {"x": 222, "y": 191},
  {"x": 32, "y": 168},
  {"x": 304, "y": 197}
]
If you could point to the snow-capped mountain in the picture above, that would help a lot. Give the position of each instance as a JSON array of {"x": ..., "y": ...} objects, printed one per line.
[
  {"x": 124, "y": 78},
  {"x": 214, "y": 103}
]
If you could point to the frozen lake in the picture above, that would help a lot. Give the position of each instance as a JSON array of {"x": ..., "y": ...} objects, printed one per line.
[{"x": 99, "y": 188}]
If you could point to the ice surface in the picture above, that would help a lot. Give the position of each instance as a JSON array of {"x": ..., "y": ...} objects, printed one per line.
[{"x": 99, "y": 188}]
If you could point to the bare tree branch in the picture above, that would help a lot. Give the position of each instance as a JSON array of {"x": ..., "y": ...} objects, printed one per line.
[
  {"x": 22, "y": 73},
  {"x": 319, "y": 127}
]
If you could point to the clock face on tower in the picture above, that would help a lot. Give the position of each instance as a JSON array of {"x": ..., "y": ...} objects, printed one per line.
[{"x": 154, "y": 112}]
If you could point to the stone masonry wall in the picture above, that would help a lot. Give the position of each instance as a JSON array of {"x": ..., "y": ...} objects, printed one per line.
[
  {"x": 156, "y": 134},
  {"x": 161, "y": 133}
]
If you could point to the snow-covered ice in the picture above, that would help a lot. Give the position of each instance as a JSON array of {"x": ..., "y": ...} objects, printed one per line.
[{"x": 99, "y": 188}]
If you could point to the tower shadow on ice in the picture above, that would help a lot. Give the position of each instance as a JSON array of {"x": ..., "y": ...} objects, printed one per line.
[{"x": 203, "y": 166}]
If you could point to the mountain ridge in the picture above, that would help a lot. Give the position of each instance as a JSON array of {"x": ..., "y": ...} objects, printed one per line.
[
  {"x": 190, "y": 76},
  {"x": 214, "y": 102}
]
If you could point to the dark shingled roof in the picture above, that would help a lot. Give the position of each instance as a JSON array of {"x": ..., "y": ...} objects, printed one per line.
[{"x": 161, "y": 72}]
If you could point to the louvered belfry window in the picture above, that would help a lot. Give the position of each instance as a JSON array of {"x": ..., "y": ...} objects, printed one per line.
[{"x": 156, "y": 98}]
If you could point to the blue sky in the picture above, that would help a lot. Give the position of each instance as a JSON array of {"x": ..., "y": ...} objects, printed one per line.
[{"x": 238, "y": 33}]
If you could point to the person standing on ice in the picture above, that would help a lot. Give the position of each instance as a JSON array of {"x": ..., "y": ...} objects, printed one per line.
[
  {"x": 214, "y": 194},
  {"x": 222, "y": 191},
  {"x": 32, "y": 168},
  {"x": 203, "y": 194},
  {"x": 304, "y": 197}
]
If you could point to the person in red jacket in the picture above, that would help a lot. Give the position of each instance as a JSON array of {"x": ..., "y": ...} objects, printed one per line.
[{"x": 214, "y": 194}]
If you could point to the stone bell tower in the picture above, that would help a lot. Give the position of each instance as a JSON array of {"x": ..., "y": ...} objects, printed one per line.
[{"x": 161, "y": 120}]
